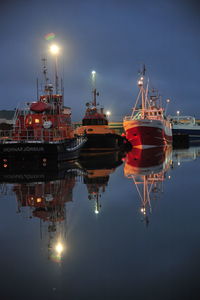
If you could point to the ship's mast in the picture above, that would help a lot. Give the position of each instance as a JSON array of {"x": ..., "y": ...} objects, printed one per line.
[
  {"x": 94, "y": 91},
  {"x": 46, "y": 79}
]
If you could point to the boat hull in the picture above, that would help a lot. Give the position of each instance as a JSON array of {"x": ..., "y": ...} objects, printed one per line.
[
  {"x": 105, "y": 142},
  {"x": 40, "y": 152},
  {"x": 146, "y": 161},
  {"x": 146, "y": 134}
]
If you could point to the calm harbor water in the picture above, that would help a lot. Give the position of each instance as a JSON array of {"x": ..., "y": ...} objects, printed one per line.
[{"x": 103, "y": 228}]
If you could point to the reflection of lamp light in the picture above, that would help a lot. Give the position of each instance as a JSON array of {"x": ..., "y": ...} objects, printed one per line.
[{"x": 59, "y": 248}]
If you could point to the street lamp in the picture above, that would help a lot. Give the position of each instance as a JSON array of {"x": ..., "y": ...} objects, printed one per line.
[
  {"x": 108, "y": 113},
  {"x": 168, "y": 100},
  {"x": 93, "y": 73},
  {"x": 178, "y": 112},
  {"x": 54, "y": 50}
]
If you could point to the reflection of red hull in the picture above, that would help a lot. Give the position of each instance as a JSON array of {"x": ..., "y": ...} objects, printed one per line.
[
  {"x": 148, "y": 133},
  {"x": 139, "y": 160}
]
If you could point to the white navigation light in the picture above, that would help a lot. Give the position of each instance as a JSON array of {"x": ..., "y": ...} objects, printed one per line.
[{"x": 140, "y": 81}]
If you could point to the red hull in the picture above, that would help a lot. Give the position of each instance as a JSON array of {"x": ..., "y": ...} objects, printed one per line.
[
  {"x": 143, "y": 160},
  {"x": 148, "y": 136}
]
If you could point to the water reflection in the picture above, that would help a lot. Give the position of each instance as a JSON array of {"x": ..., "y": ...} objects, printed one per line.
[
  {"x": 147, "y": 168},
  {"x": 113, "y": 248},
  {"x": 44, "y": 192},
  {"x": 185, "y": 155},
  {"x": 98, "y": 169},
  {"x": 47, "y": 202}
]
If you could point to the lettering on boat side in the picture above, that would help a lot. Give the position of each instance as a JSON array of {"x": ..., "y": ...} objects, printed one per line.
[
  {"x": 21, "y": 149},
  {"x": 26, "y": 176}
]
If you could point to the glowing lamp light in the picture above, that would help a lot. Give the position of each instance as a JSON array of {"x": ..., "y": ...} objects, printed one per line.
[
  {"x": 39, "y": 200},
  {"x": 54, "y": 49},
  {"x": 96, "y": 211},
  {"x": 93, "y": 73},
  {"x": 178, "y": 112},
  {"x": 59, "y": 248},
  {"x": 108, "y": 113},
  {"x": 168, "y": 100}
]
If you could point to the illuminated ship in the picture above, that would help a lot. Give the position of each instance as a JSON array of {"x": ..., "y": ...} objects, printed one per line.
[
  {"x": 95, "y": 125},
  {"x": 42, "y": 130},
  {"x": 147, "y": 168},
  {"x": 147, "y": 127}
]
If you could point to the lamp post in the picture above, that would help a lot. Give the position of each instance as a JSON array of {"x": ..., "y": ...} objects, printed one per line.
[
  {"x": 93, "y": 73},
  {"x": 168, "y": 100},
  {"x": 54, "y": 49},
  {"x": 178, "y": 112}
]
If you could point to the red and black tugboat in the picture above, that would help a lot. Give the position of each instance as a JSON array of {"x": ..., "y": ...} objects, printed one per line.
[
  {"x": 42, "y": 130},
  {"x": 99, "y": 136}
]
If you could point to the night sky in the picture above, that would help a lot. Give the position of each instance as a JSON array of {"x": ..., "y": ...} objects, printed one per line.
[{"x": 112, "y": 37}]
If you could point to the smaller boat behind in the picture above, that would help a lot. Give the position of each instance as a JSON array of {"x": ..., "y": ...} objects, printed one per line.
[
  {"x": 99, "y": 136},
  {"x": 185, "y": 130}
]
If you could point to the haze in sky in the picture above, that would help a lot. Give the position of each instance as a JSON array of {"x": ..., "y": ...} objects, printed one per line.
[{"x": 112, "y": 37}]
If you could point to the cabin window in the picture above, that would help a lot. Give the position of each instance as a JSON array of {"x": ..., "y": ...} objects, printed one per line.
[{"x": 94, "y": 122}]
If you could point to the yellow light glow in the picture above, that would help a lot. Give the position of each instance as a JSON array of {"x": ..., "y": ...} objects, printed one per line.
[
  {"x": 39, "y": 200},
  {"x": 54, "y": 49},
  {"x": 59, "y": 248},
  {"x": 37, "y": 121}
]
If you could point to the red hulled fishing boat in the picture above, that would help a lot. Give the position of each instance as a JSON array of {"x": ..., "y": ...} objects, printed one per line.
[{"x": 147, "y": 126}]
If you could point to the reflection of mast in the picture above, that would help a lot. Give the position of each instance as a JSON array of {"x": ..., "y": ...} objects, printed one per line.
[
  {"x": 151, "y": 184},
  {"x": 98, "y": 168},
  {"x": 147, "y": 169},
  {"x": 96, "y": 182}
]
